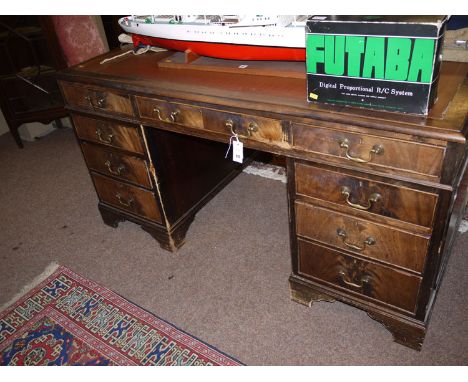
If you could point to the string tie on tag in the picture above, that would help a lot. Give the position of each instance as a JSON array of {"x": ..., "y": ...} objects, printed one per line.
[{"x": 234, "y": 135}]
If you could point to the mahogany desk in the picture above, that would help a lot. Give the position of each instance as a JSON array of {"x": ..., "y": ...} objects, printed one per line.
[{"x": 374, "y": 197}]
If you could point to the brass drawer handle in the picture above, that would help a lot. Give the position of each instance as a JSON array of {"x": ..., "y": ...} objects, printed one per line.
[
  {"x": 107, "y": 140},
  {"x": 172, "y": 117},
  {"x": 123, "y": 201},
  {"x": 101, "y": 102},
  {"x": 119, "y": 170},
  {"x": 363, "y": 281},
  {"x": 377, "y": 150},
  {"x": 230, "y": 125},
  {"x": 342, "y": 233},
  {"x": 373, "y": 198},
  {"x": 252, "y": 128},
  {"x": 90, "y": 100}
]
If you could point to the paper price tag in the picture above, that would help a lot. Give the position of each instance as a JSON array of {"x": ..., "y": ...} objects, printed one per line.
[{"x": 237, "y": 151}]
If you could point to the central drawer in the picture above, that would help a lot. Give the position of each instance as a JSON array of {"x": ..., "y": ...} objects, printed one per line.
[
  {"x": 169, "y": 112},
  {"x": 246, "y": 126},
  {"x": 362, "y": 237}
]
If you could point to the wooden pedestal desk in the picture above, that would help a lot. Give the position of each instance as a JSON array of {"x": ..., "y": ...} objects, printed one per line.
[{"x": 374, "y": 197}]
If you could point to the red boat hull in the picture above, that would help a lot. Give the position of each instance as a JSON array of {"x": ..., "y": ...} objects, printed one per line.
[{"x": 225, "y": 51}]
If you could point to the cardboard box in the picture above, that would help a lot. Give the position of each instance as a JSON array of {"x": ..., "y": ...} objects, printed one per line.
[{"x": 380, "y": 62}]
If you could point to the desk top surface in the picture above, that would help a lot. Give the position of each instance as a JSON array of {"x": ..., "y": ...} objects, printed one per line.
[{"x": 274, "y": 94}]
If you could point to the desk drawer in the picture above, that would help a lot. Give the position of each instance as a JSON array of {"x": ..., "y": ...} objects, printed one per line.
[
  {"x": 109, "y": 133},
  {"x": 362, "y": 237},
  {"x": 129, "y": 198},
  {"x": 169, "y": 112},
  {"x": 97, "y": 99},
  {"x": 250, "y": 127},
  {"x": 364, "y": 278},
  {"x": 368, "y": 151},
  {"x": 360, "y": 194},
  {"x": 125, "y": 167}
]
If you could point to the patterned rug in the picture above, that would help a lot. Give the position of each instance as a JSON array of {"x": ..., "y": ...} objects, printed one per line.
[{"x": 66, "y": 319}]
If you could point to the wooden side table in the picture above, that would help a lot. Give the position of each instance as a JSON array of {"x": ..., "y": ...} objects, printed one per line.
[{"x": 28, "y": 87}]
